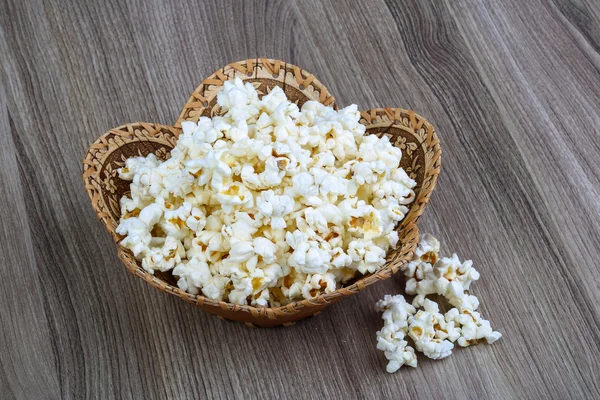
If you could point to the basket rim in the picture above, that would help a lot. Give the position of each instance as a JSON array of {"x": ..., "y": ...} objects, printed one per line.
[
  {"x": 375, "y": 117},
  {"x": 301, "y": 79}
]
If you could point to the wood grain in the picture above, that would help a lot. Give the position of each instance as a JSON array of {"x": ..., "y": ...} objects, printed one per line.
[{"x": 513, "y": 89}]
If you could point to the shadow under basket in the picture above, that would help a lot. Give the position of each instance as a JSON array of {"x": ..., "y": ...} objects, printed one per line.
[{"x": 421, "y": 159}]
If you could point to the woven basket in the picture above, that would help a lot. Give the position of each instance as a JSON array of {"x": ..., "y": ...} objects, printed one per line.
[{"x": 421, "y": 158}]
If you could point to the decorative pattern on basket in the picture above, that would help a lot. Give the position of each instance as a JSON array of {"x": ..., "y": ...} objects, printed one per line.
[
  {"x": 421, "y": 158},
  {"x": 299, "y": 86}
]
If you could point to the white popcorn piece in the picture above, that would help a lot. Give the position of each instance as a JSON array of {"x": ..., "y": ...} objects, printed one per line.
[
  {"x": 174, "y": 221},
  {"x": 392, "y": 239},
  {"x": 395, "y": 310},
  {"x": 243, "y": 228},
  {"x": 473, "y": 328},
  {"x": 425, "y": 257},
  {"x": 339, "y": 259},
  {"x": 234, "y": 196},
  {"x": 331, "y": 213},
  {"x": 164, "y": 258},
  {"x": 435, "y": 349},
  {"x": 151, "y": 214},
  {"x": 366, "y": 221},
  {"x": 196, "y": 220},
  {"x": 275, "y": 207},
  {"x": 366, "y": 256},
  {"x": 266, "y": 249},
  {"x": 215, "y": 287},
  {"x": 390, "y": 339},
  {"x": 292, "y": 284},
  {"x": 452, "y": 270},
  {"x": 241, "y": 251},
  {"x": 135, "y": 165},
  {"x": 265, "y": 203},
  {"x": 193, "y": 275},
  {"x": 309, "y": 258},
  {"x": 304, "y": 185},
  {"x": 315, "y": 220},
  {"x": 428, "y": 330},
  {"x": 242, "y": 289},
  {"x": 395, "y": 349},
  {"x": 137, "y": 237},
  {"x": 271, "y": 274},
  {"x": 316, "y": 284},
  {"x": 262, "y": 299}
]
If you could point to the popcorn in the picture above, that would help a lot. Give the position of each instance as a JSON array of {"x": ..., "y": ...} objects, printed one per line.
[
  {"x": 138, "y": 235},
  {"x": 240, "y": 251},
  {"x": 265, "y": 248},
  {"x": 425, "y": 256},
  {"x": 428, "y": 330},
  {"x": 235, "y": 195},
  {"x": 395, "y": 348},
  {"x": 151, "y": 214},
  {"x": 196, "y": 220},
  {"x": 293, "y": 283},
  {"x": 310, "y": 258},
  {"x": 451, "y": 270},
  {"x": 395, "y": 310},
  {"x": 215, "y": 287},
  {"x": 304, "y": 185},
  {"x": 164, "y": 258},
  {"x": 315, "y": 220},
  {"x": 193, "y": 275},
  {"x": 275, "y": 207},
  {"x": 174, "y": 222},
  {"x": 242, "y": 289},
  {"x": 136, "y": 165},
  {"x": 433, "y": 334},
  {"x": 473, "y": 328},
  {"x": 447, "y": 276},
  {"x": 339, "y": 259},
  {"x": 243, "y": 228},
  {"x": 262, "y": 300},
  {"x": 366, "y": 257},
  {"x": 390, "y": 339},
  {"x": 315, "y": 284},
  {"x": 267, "y": 203},
  {"x": 365, "y": 221}
]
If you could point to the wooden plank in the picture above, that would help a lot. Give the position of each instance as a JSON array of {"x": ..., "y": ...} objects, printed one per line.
[{"x": 29, "y": 349}]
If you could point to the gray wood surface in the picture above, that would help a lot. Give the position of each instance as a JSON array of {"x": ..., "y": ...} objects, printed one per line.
[{"x": 513, "y": 88}]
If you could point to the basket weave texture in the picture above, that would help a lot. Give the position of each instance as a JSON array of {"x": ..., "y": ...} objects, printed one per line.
[{"x": 421, "y": 159}]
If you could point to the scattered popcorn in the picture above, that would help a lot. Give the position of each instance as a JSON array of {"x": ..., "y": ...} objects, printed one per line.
[
  {"x": 390, "y": 339},
  {"x": 447, "y": 277},
  {"x": 472, "y": 327},
  {"x": 395, "y": 310},
  {"x": 433, "y": 334},
  {"x": 268, "y": 203},
  {"x": 430, "y": 332}
]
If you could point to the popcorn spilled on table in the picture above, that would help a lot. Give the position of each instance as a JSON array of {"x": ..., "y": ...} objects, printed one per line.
[{"x": 433, "y": 333}]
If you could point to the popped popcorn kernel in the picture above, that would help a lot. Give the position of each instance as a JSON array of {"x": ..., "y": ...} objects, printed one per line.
[{"x": 390, "y": 339}]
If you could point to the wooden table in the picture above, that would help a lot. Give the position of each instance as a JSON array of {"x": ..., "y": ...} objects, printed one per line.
[{"x": 513, "y": 88}]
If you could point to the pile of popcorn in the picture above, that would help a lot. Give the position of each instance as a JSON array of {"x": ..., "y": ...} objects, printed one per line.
[
  {"x": 267, "y": 203},
  {"x": 432, "y": 332}
]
